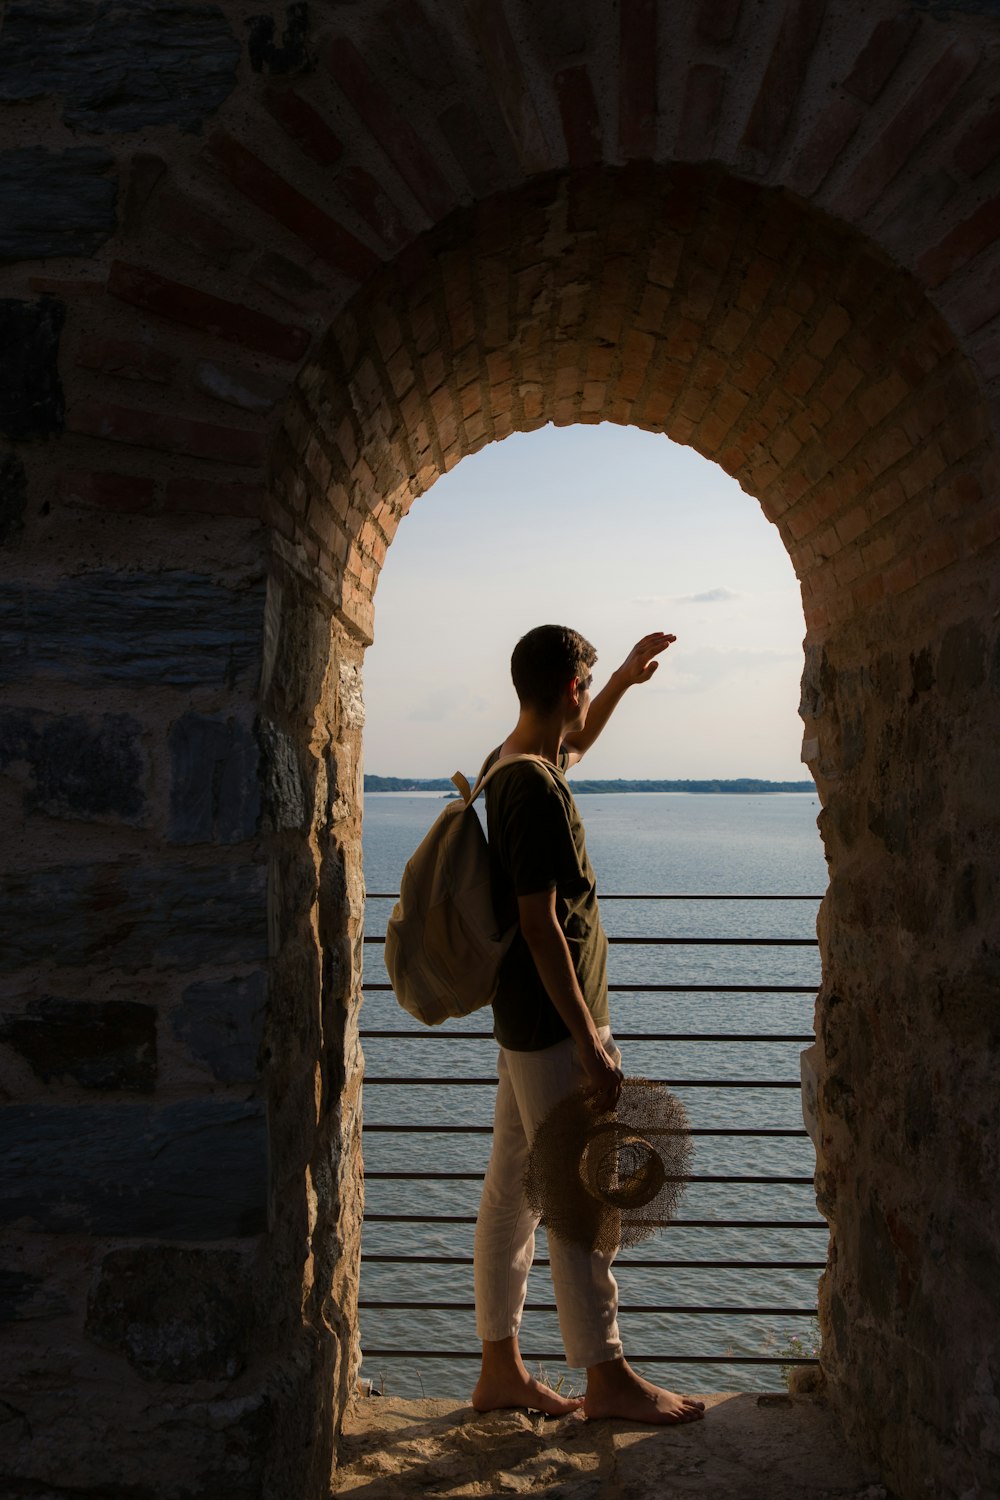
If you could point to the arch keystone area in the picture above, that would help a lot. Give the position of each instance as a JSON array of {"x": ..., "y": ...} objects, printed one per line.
[{"x": 251, "y": 310}]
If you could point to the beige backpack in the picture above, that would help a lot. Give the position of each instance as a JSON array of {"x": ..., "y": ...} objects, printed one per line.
[{"x": 443, "y": 949}]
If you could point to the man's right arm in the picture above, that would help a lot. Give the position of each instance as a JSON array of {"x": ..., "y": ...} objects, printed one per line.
[{"x": 548, "y": 947}]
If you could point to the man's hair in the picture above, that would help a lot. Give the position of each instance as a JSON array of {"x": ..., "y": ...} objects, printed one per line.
[{"x": 546, "y": 660}]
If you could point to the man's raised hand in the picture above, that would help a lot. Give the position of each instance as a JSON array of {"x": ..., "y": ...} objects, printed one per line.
[{"x": 641, "y": 663}]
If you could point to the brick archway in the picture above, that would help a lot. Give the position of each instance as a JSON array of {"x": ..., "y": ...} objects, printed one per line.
[
  {"x": 781, "y": 346},
  {"x": 251, "y": 313}
]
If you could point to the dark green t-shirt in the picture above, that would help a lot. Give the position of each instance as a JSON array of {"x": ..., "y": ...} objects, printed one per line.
[{"x": 536, "y": 842}]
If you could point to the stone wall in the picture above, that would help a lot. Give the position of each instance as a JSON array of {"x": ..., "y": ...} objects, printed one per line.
[{"x": 266, "y": 272}]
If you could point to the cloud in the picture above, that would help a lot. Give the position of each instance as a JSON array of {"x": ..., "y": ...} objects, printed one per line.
[
  {"x": 710, "y": 596},
  {"x": 447, "y": 704},
  {"x": 707, "y": 596}
]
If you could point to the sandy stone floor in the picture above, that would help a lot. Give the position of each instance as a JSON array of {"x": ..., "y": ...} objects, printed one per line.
[{"x": 750, "y": 1447}]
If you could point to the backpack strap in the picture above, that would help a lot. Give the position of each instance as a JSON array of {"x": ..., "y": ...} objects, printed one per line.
[{"x": 469, "y": 794}]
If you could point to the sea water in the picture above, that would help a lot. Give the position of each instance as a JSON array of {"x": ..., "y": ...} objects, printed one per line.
[{"x": 640, "y": 844}]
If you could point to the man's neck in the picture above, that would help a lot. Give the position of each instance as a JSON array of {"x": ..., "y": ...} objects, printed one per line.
[{"x": 536, "y": 734}]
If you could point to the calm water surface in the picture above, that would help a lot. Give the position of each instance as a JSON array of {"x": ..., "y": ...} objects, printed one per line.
[{"x": 639, "y": 843}]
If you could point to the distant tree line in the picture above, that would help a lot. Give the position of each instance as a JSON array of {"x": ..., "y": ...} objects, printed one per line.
[{"x": 742, "y": 785}]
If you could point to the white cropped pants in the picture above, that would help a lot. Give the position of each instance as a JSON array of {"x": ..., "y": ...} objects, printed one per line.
[{"x": 586, "y": 1292}]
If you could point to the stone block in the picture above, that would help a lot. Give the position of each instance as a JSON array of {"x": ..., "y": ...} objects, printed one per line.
[
  {"x": 192, "y": 1171},
  {"x": 172, "y": 629},
  {"x": 221, "y": 1023},
  {"x": 27, "y": 1298},
  {"x": 13, "y": 496},
  {"x": 215, "y": 785},
  {"x": 292, "y": 55},
  {"x": 55, "y": 202},
  {"x": 133, "y": 918},
  {"x": 177, "y": 1314},
  {"x": 99, "y": 1045},
  {"x": 284, "y": 794},
  {"x": 240, "y": 388},
  {"x": 120, "y": 66},
  {"x": 31, "y": 394},
  {"x": 76, "y": 767}
]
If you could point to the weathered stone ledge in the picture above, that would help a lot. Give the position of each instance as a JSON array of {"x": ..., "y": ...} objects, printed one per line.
[{"x": 750, "y": 1447}]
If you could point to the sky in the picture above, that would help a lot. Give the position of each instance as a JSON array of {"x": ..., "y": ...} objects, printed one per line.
[{"x": 616, "y": 532}]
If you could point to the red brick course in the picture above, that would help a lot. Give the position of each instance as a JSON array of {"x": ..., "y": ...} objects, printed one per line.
[
  {"x": 878, "y": 59},
  {"x": 398, "y": 139},
  {"x": 700, "y": 111},
  {"x": 903, "y": 134},
  {"x": 961, "y": 244},
  {"x": 979, "y": 146},
  {"x": 107, "y": 490},
  {"x": 266, "y": 188},
  {"x": 371, "y": 201},
  {"x": 209, "y": 314},
  {"x": 172, "y": 434},
  {"x": 580, "y": 120},
  {"x": 227, "y": 499},
  {"x": 716, "y": 20},
  {"x": 500, "y": 58},
  {"x": 128, "y": 360},
  {"x": 783, "y": 77},
  {"x": 824, "y": 144},
  {"x": 192, "y": 225},
  {"x": 305, "y": 125},
  {"x": 637, "y": 78}
]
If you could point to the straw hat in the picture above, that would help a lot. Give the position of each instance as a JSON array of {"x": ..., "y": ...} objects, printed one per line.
[{"x": 610, "y": 1179}]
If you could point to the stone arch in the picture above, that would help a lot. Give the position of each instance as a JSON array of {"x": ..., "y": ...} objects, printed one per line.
[
  {"x": 783, "y": 347},
  {"x": 255, "y": 310}
]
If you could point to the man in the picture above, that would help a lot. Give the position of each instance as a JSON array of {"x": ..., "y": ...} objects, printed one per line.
[{"x": 551, "y": 1020}]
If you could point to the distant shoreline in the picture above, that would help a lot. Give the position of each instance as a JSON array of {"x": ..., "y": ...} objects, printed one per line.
[{"x": 741, "y": 786}]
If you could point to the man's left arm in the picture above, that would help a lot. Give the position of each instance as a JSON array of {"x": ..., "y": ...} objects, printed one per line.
[{"x": 638, "y": 666}]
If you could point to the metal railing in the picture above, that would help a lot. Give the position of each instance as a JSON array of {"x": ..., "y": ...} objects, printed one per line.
[{"x": 423, "y": 1305}]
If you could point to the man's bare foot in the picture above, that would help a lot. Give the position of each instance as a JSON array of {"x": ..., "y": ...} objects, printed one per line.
[
  {"x": 504, "y": 1382},
  {"x": 522, "y": 1390},
  {"x": 615, "y": 1390}
]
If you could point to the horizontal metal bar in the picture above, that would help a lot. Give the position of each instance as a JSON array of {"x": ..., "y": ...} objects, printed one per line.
[
  {"x": 623, "y": 1260},
  {"x": 735, "y": 1130},
  {"x": 428, "y": 1219},
  {"x": 671, "y": 989},
  {"x": 559, "y": 1356},
  {"x": 700, "y": 896},
  {"x": 657, "y": 896},
  {"x": 478, "y": 1177},
  {"x": 373, "y": 1080},
  {"x": 620, "y": 1036},
  {"x": 689, "y": 942},
  {"x": 713, "y": 942},
  {"x": 627, "y": 1307},
  {"x": 711, "y": 989}
]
